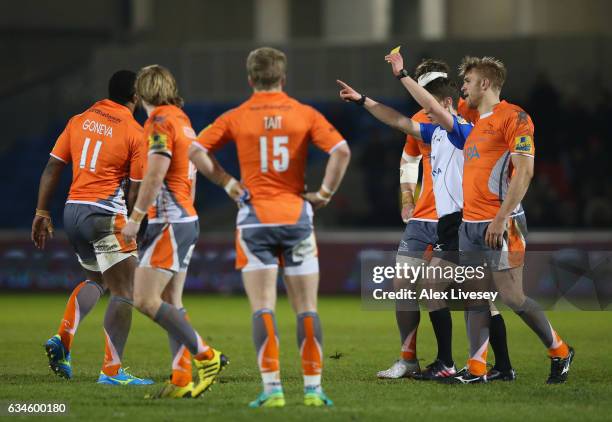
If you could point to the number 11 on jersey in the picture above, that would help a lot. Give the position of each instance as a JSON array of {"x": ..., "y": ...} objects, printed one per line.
[
  {"x": 280, "y": 153},
  {"x": 94, "y": 156}
]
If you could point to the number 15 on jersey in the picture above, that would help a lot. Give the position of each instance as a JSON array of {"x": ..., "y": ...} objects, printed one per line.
[{"x": 280, "y": 153}]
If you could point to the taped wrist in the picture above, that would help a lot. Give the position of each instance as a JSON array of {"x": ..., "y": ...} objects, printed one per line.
[
  {"x": 229, "y": 185},
  {"x": 137, "y": 215},
  {"x": 409, "y": 171},
  {"x": 324, "y": 193}
]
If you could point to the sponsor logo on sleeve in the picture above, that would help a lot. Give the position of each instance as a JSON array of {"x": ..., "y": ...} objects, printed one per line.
[
  {"x": 158, "y": 142},
  {"x": 523, "y": 144}
]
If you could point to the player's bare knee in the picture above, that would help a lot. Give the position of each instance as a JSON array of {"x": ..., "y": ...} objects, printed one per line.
[
  {"x": 173, "y": 298},
  {"x": 513, "y": 300},
  {"x": 305, "y": 306},
  {"x": 147, "y": 305}
]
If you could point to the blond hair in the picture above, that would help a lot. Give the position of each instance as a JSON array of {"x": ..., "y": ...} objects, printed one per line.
[
  {"x": 488, "y": 67},
  {"x": 156, "y": 85},
  {"x": 266, "y": 67}
]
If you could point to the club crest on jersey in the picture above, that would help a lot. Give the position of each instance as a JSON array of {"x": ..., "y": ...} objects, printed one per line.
[
  {"x": 158, "y": 142},
  {"x": 523, "y": 144}
]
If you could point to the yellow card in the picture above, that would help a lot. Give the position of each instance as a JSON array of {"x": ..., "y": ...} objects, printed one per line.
[{"x": 395, "y": 50}]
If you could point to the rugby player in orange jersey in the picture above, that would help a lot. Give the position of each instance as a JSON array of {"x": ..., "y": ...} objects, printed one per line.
[
  {"x": 421, "y": 234},
  {"x": 166, "y": 195},
  {"x": 103, "y": 144},
  {"x": 274, "y": 227},
  {"x": 499, "y": 162}
]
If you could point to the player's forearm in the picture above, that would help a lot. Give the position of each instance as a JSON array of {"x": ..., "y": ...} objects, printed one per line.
[
  {"x": 428, "y": 102},
  {"x": 148, "y": 191},
  {"x": 392, "y": 118},
  {"x": 48, "y": 182},
  {"x": 132, "y": 195},
  {"x": 408, "y": 187},
  {"x": 149, "y": 188},
  {"x": 516, "y": 192},
  {"x": 193, "y": 187},
  {"x": 335, "y": 169},
  {"x": 209, "y": 166},
  {"x": 407, "y": 194}
]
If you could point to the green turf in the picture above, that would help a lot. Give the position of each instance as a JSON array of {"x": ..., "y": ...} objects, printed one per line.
[{"x": 366, "y": 342}]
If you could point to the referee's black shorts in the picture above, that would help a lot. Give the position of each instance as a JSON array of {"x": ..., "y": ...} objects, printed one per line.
[{"x": 447, "y": 247}]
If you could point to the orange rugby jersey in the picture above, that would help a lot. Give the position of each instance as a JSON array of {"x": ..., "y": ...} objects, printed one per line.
[
  {"x": 168, "y": 132},
  {"x": 425, "y": 208},
  {"x": 272, "y": 131},
  {"x": 104, "y": 145},
  {"x": 506, "y": 130}
]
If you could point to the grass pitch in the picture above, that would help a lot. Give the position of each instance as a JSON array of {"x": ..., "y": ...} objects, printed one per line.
[{"x": 362, "y": 342}]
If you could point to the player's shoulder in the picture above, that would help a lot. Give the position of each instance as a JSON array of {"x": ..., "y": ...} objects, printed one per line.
[
  {"x": 294, "y": 101},
  {"x": 509, "y": 110},
  {"x": 82, "y": 115},
  {"x": 294, "y": 105},
  {"x": 234, "y": 112},
  {"x": 420, "y": 117},
  {"x": 81, "y": 120},
  {"x": 164, "y": 116},
  {"x": 133, "y": 127},
  {"x": 73, "y": 120}
]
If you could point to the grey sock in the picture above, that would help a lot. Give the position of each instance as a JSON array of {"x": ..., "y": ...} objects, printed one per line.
[
  {"x": 301, "y": 335},
  {"x": 260, "y": 338},
  {"x": 117, "y": 322},
  {"x": 175, "y": 345},
  {"x": 87, "y": 297},
  {"x": 534, "y": 317},
  {"x": 478, "y": 320},
  {"x": 311, "y": 366},
  {"x": 260, "y": 334},
  {"x": 407, "y": 322},
  {"x": 173, "y": 321}
]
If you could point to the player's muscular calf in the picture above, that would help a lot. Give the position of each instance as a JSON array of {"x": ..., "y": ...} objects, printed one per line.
[
  {"x": 173, "y": 293},
  {"x": 119, "y": 278},
  {"x": 149, "y": 285},
  {"x": 509, "y": 284}
]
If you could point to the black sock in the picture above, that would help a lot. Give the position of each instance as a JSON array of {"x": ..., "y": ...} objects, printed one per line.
[
  {"x": 499, "y": 343},
  {"x": 443, "y": 329}
]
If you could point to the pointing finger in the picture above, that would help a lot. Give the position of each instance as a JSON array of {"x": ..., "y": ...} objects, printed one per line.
[{"x": 342, "y": 84}]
